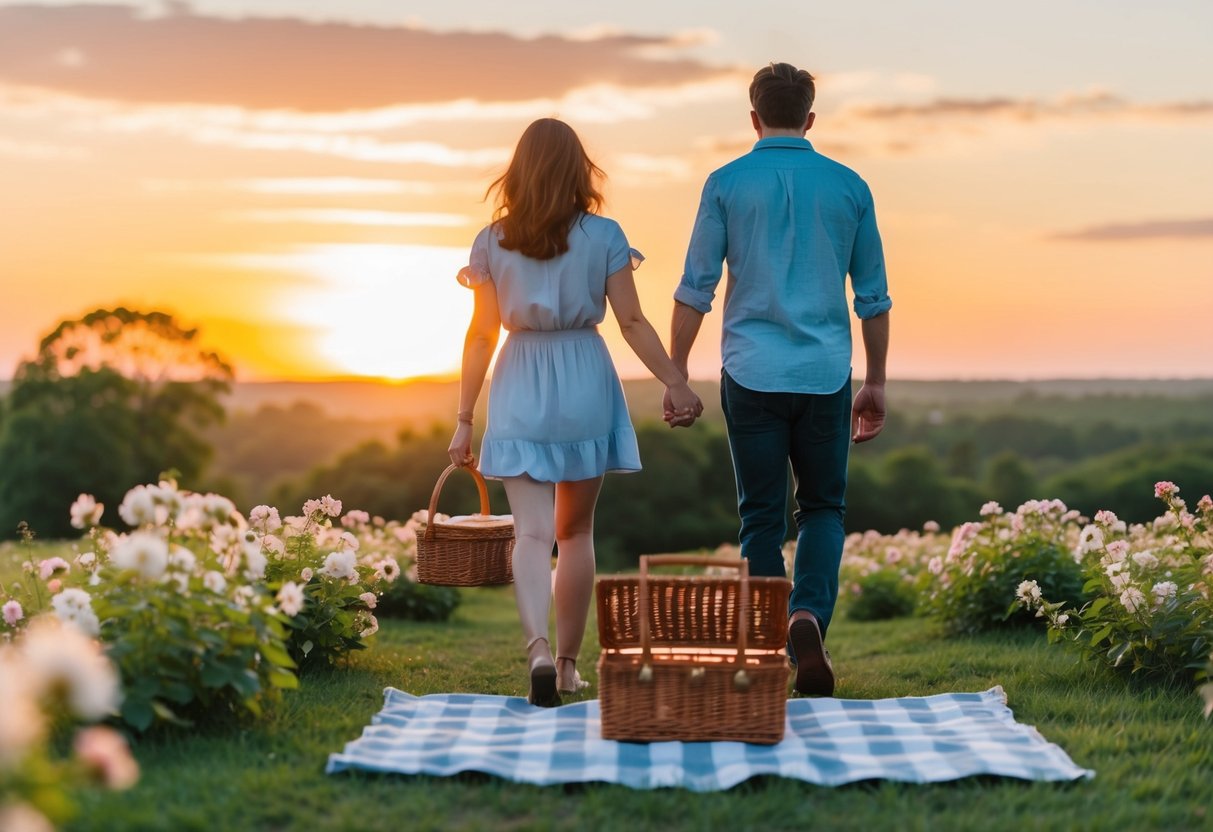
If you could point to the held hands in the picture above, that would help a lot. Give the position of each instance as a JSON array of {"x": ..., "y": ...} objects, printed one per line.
[
  {"x": 681, "y": 406},
  {"x": 460, "y": 449},
  {"x": 867, "y": 413}
]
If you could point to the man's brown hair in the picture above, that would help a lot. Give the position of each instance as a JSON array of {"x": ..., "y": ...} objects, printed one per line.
[{"x": 782, "y": 95}]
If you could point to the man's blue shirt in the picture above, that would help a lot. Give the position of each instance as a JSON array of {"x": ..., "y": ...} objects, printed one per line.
[{"x": 791, "y": 224}]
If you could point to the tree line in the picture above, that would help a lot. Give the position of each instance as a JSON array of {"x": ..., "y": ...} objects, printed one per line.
[{"x": 118, "y": 397}]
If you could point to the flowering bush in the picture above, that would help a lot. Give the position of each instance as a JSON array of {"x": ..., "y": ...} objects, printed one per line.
[
  {"x": 203, "y": 611},
  {"x": 51, "y": 677},
  {"x": 1152, "y": 586},
  {"x": 322, "y": 583},
  {"x": 879, "y": 577},
  {"x": 969, "y": 587}
]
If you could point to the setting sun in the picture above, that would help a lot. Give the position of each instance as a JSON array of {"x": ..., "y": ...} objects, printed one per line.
[{"x": 379, "y": 311}]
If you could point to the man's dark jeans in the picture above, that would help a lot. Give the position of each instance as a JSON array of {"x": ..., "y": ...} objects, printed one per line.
[{"x": 813, "y": 432}]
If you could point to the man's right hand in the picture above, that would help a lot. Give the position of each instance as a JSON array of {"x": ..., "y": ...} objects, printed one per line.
[
  {"x": 867, "y": 413},
  {"x": 680, "y": 406}
]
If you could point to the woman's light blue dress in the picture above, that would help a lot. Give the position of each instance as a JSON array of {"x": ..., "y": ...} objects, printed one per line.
[{"x": 556, "y": 408}]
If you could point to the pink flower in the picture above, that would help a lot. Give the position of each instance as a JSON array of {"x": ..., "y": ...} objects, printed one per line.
[
  {"x": 54, "y": 585},
  {"x": 369, "y": 599},
  {"x": 1164, "y": 490},
  {"x": 1205, "y": 504},
  {"x": 106, "y": 756},
  {"x": 12, "y": 613},
  {"x": 50, "y": 566}
]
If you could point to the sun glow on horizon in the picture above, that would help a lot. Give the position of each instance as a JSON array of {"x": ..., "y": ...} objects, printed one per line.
[{"x": 377, "y": 311}]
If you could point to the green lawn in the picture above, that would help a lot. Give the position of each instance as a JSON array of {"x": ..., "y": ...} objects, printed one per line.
[{"x": 1151, "y": 747}]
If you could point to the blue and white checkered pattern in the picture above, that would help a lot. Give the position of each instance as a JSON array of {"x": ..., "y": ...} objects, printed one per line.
[{"x": 827, "y": 741}]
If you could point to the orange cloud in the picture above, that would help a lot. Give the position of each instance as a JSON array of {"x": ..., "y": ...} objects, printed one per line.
[
  {"x": 266, "y": 63},
  {"x": 1201, "y": 228}
]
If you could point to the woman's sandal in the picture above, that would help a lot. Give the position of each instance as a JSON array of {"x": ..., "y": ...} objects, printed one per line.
[
  {"x": 579, "y": 684},
  {"x": 543, "y": 681}
]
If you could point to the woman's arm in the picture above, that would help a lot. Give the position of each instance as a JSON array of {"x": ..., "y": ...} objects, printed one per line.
[
  {"x": 478, "y": 347},
  {"x": 643, "y": 339}
]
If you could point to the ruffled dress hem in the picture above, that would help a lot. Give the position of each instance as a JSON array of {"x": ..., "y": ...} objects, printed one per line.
[{"x": 614, "y": 453}]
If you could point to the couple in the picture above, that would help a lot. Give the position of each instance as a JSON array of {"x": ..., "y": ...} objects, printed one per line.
[{"x": 791, "y": 224}]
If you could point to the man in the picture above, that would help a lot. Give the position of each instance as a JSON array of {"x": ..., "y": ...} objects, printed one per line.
[{"x": 791, "y": 224}]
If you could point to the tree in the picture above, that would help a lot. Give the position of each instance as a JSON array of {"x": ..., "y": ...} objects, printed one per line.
[{"x": 111, "y": 400}]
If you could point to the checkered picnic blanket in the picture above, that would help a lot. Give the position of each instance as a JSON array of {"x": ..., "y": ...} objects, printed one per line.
[{"x": 827, "y": 741}]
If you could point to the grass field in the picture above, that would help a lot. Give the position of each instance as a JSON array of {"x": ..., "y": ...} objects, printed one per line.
[{"x": 1150, "y": 746}]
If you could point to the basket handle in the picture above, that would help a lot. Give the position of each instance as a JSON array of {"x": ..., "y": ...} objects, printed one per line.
[
  {"x": 480, "y": 486},
  {"x": 741, "y": 679}
]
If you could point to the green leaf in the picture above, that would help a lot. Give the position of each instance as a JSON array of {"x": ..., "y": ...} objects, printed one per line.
[
  {"x": 137, "y": 713},
  {"x": 1101, "y": 635}
]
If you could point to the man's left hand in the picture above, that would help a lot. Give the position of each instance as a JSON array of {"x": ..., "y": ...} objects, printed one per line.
[{"x": 867, "y": 413}]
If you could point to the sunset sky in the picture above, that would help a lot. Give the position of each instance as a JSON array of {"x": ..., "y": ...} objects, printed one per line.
[{"x": 302, "y": 179}]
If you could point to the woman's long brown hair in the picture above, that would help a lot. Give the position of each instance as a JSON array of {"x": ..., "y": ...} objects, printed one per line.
[{"x": 549, "y": 182}]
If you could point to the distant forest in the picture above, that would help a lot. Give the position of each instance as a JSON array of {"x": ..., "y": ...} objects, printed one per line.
[{"x": 948, "y": 448}]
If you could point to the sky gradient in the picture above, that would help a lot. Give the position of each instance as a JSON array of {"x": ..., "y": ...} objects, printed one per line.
[{"x": 302, "y": 179}]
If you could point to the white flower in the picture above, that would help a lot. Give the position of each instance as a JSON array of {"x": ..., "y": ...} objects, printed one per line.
[
  {"x": 1146, "y": 560},
  {"x": 138, "y": 507},
  {"x": 347, "y": 541},
  {"x": 1090, "y": 539},
  {"x": 1162, "y": 591},
  {"x": 1120, "y": 580},
  {"x": 990, "y": 508},
  {"x": 369, "y": 599},
  {"x": 290, "y": 598},
  {"x": 1061, "y": 619},
  {"x": 935, "y": 565},
  {"x": 218, "y": 507},
  {"x": 387, "y": 570},
  {"x": 106, "y": 756},
  {"x": 21, "y": 721},
  {"x": 214, "y": 581},
  {"x": 372, "y": 626},
  {"x": 1028, "y": 592},
  {"x": 12, "y": 613},
  {"x": 63, "y": 658},
  {"x": 265, "y": 519},
  {"x": 21, "y": 817},
  {"x": 75, "y": 607},
  {"x": 273, "y": 545},
  {"x": 146, "y": 553},
  {"x": 306, "y": 574},
  {"x": 339, "y": 565},
  {"x": 87, "y": 561},
  {"x": 1132, "y": 599},
  {"x": 1117, "y": 550},
  {"x": 255, "y": 561},
  {"x": 86, "y": 512},
  {"x": 243, "y": 596},
  {"x": 182, "y": 559}
]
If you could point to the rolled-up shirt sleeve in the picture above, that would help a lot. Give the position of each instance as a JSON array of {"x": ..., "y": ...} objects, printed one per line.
[
  {"x": 705, "y": 254},
  {"x": 477, "y": 270},
  {"x": 868, "y": 278}
]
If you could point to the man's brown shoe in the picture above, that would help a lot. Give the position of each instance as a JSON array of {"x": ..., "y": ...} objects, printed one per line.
[{"x": 814, "y": 672}]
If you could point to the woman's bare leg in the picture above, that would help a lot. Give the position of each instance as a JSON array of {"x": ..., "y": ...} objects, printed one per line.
[
  {"x": 574, "y": 581},
  {"x": 533, "y": 505}
]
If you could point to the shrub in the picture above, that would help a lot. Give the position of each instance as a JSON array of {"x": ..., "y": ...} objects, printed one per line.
[
  {"x": 968, "y": 589},
  {"x": 1150, "y": 585}
]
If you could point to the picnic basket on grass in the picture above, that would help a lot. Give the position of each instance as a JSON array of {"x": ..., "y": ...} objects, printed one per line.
[
  {"x": 465, "y": 551},
  {"x": 693, "y": 658}
]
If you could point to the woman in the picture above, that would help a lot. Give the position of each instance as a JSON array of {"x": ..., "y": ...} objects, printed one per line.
[{"x": 557, "y": 419}]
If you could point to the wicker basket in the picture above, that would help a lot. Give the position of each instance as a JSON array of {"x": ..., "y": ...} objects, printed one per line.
[
  {"x": 476, "y": 552},
  {"x": 693, "y": 658}
]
